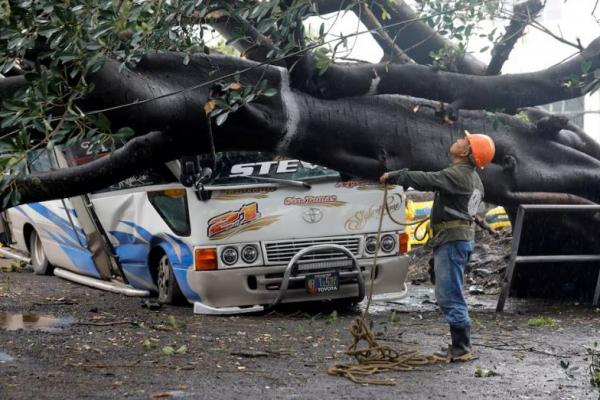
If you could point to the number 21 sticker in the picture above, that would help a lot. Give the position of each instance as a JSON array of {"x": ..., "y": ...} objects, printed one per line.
[{"x": 232, "y": 219}]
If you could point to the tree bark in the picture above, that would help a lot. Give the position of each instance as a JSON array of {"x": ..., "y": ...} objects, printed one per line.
[
  {"x": 359, "y": 136},
  {"x": 137, "y": 155},
  {"x": 415, "y": 37},
  {"x": 390, "y": 49},
  {"x": 523, "y": 14},
  {"x": 462, "y": 91}
]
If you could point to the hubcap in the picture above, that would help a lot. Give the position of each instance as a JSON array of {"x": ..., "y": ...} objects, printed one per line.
[
  {"x": 163, "y": 277},
  {"x": 37, "y": 250}
]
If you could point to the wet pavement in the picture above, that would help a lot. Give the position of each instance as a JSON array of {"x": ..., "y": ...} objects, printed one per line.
[
  {"x": 105, "y": 346},
  {"x": 13, "y": 322}
]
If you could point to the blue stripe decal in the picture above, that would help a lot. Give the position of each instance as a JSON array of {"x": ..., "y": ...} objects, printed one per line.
[
  {"x": 81, "y": 259},
  {"x": 126, "y": 238},
  {"x": 147, "y": 236},
  {"x": 19, "y": 209},
  {"x": 58, "y": 221},
  {"x": 133, "y": 253}
]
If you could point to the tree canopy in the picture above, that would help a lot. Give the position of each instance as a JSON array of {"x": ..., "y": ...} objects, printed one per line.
[{"x": 154, "y": 74}]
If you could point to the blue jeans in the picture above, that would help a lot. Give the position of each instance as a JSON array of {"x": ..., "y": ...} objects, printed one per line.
[{"x": 450, "y": 260}]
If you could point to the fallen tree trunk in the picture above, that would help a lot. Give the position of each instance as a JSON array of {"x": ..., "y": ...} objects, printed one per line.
[{"x": 360, "y": 136}]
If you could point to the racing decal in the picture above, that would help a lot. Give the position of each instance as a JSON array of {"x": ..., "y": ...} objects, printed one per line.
[
  {"x": 359, "y": 185},
  {"x": 251, "y": 193},
  {"x": 359, "y": 219},
  {"x": 230, "y": 223},
  {"x": 325, "y": 201}
]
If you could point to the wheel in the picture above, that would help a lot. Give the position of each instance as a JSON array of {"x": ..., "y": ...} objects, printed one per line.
[
  {"x": 39, "y": 261},
  {"x": 168, "y": 289}
]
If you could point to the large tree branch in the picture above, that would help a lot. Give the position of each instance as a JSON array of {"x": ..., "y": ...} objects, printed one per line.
[
  {"x": 415, "y": 37},
  {"x": 245, "y": 38},
  {"x": 461, "y": 91},
  {"x": 392, "y": 51},
  {"x": 522, "y": 15},
  {"x": 360, "y": 136},
  {"x": 137, "y": 155}
]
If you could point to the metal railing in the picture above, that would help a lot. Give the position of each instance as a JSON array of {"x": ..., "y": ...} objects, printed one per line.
[{"x": 515, "y": 258}]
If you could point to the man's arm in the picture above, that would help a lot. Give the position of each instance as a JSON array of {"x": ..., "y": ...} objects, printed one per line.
[{"x": 419, "y": 180}]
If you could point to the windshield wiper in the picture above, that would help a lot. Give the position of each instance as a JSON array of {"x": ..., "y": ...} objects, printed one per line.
[{"x": 288, "y": 182}]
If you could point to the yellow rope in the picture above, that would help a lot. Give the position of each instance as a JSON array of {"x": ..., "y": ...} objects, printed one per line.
[{"x": 377, "y": 358}]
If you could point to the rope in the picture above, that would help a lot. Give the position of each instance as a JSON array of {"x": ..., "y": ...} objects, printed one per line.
[
  {"x": 376, "y": 358},
  {"x": 418, "y": 222}
]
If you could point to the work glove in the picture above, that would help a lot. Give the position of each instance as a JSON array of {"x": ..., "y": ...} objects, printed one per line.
[{"x": 394, "y": 177}]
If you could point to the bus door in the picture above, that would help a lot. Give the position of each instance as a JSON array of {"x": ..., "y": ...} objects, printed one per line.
[{"x": 95, "y": 237}]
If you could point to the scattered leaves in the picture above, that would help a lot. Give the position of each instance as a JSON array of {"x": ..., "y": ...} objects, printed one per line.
[
  {"x": 594, "y": 368},
  {"x": 541, "y": 321},
  {"x": 173, "y": 323},
  {"x": 332, "y": 317},
  {"x": 484, "y": 373}
]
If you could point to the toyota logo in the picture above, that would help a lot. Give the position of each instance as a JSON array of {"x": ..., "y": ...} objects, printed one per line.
[{"x": 312, "y": 215}]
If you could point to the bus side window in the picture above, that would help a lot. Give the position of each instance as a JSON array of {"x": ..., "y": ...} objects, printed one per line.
[{"x": 172, "y": 206}]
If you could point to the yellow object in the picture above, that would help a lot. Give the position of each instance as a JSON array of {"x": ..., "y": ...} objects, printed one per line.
[
  {"x": 497, "y": 218},
  {"x": 418, "y": 234},
  {"x": 175, "y": 193}
]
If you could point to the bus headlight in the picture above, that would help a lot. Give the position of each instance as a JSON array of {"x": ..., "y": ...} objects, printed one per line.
[
  {"x": 249, "y": 253},
  {"x": 229, "y": 255},
  {"x": 371, "y": 245},
  {"x": 388, "y": 243}
]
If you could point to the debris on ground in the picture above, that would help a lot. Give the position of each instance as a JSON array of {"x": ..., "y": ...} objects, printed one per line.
[
  {"x": 150, "y": 304},
  {"x": 484, "y": 373},
  {"x": 541, "y": 321},
  {"x": 594, "y": 368},
  {"x": 485, "y": 269}
]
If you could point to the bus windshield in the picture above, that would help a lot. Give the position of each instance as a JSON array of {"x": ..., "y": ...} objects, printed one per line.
[{"x": 236, "y": 167}]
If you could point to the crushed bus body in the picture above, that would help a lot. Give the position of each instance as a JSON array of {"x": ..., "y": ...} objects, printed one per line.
[{"x": 263, "y": 231}]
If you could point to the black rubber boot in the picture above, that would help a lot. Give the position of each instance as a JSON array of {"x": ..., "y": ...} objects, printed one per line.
[{"x": 461, "y": 344}]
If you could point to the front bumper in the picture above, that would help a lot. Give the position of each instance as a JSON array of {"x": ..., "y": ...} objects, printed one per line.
[{"x": 252, "y": 286}]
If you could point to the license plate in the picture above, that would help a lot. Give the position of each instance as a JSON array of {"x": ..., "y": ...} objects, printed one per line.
[{"x": 323, "y": 283}]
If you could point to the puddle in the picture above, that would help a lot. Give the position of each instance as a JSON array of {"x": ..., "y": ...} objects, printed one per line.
[
  {"x": 13, "y": 322},
  {"x": 421, "y": 298},
  {"x": 5, "y": 358}
]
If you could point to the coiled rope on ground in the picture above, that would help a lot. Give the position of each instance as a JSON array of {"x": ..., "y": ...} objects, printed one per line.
[{"x": 377, "y": 358}]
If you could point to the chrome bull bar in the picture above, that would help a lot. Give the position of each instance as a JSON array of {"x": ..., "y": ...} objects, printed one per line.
[{"x": 295, "y": 271}]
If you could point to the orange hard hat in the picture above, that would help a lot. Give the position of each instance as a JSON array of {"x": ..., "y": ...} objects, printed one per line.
[{"x": 482, "y": 148}]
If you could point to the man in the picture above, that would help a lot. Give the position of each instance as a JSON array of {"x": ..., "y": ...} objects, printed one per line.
[{"x": 458, "y": 194}]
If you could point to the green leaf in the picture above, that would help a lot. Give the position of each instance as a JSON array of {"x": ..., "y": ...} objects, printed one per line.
[
  {"x": 270, "y": 92},
  {"x": 125, "y": 132},
  {"x": 222, "y": 118},
  {"x": 168, "y": 350},
  {"x": 103, "y": 123},
  {"x": 181, "y": 350},
  {"x": 586, "y": 66}
]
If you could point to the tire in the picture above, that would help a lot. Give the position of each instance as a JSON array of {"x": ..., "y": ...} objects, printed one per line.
[
  {"x": 168, "y": 289},
  {"x": 39, "y": 260}
]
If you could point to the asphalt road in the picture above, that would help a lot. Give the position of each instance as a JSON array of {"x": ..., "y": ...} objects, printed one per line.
[{"x": 106, "y": 346}]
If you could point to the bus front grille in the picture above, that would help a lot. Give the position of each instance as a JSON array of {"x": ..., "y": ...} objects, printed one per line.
[{"x": 282, "y": 251}]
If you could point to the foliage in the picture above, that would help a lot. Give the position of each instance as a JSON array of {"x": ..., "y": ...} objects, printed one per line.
[
  {"x": 484, "y": 373},
  {"x": 56, "y": 46},
  {"x": 459, "y": 21},
  {"x": 594, "y": 368},
  {"x": 541, "y": 321}
]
